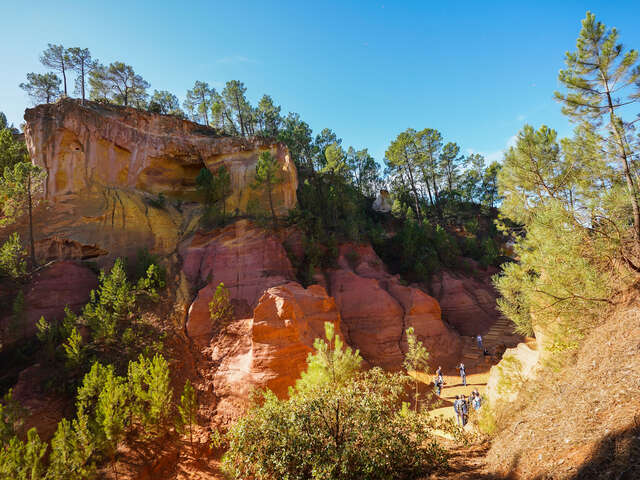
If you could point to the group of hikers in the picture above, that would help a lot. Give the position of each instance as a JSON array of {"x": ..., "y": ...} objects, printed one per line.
[
  {"x": 438, "y": 381},
  {"x": 461, "y": 404}
]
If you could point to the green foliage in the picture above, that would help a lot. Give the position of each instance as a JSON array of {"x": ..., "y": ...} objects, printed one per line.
[
  {"x": 74, "y": 350},
  {"x": 602, "y": 80},
  {"x": 118, "y": 83},
  {"x": 188, "y": 410},
  {"x": 214, "y": 190},
  {"x": 23, "y": 460},
  {"x": 165, "y": 103},
  {"x": 268, "y": 176},
  {"x": 12, "y": 263},
  {"x": 416, "y": 362},
  {"x": 573, "y": 231},
  {"x": 332, "y": 362},
  {"x": 335, "y": 431},
  {"x": 149, "y": 386},
  {"x": 42, "y": 87},
  {"x": 71, "y": 450},
  {"x": 11, "y": 413},
  {"x": 220, "y": 307},
  {"x": 198, "y": 102},
  {"x": 110, "y": 304},
  {"x": 12, "y": 150},
  {"x": 338, "y": 423}
]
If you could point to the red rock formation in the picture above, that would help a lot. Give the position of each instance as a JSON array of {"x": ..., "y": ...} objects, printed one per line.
[
  {"x": 467, "y": 303},
  {"x": 51, "y": 290},
  {"x": 247, "y": 259},
  {"x": 270, "y": 349},
  {"x": 376, "y": 310}
]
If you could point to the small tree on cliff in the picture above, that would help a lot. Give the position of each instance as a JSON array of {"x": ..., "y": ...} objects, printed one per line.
[
  {"x": 214, "y": 189},
  {"x": 118, "y": 83},
  {"x": 42, "y": 88},
  {"x": 220, "y": 307},
  {"x": 268, "y": 176},
  {"x": 56, "y": 57},
  {"x": 81, "y": 62},
  {"x": 20, "y": 188}
]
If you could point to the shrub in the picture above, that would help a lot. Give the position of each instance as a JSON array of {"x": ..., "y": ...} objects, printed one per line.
[
  {"x": 338, "y": 423},
  {"x": 220, "y": 307},
  {"x": 12, "y": 263}
]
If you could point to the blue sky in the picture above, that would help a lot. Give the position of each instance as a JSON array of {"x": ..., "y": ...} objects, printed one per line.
[{"x": 476, "y": 71}]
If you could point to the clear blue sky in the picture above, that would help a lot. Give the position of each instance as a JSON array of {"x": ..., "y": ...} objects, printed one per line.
[{"x": 475, "y": 70}]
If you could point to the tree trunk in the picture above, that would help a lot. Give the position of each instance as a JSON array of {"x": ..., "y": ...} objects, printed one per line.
[
  {"x": 627, "y": 173},
  {"x": 415, "y": 195},
  {"x": 30, "y": 205},
  {"x": 273, "y": 212},
  {"x": 64, "y": 77},
  {"x": 82, "y": 80}
]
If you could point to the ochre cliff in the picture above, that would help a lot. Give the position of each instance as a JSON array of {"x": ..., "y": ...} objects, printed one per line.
[
  {"x": 107, "y": 166},
  {"x": 96, "y": 146}
]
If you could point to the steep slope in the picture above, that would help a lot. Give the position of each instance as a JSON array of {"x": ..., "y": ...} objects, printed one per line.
[{"x": 584, "y": 420}]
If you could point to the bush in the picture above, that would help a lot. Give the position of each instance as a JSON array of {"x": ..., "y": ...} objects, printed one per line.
[
  {"x": 12, "y": 263},
  {"x": 338, "y": 423},
  {"x": 220, "y": 307}
]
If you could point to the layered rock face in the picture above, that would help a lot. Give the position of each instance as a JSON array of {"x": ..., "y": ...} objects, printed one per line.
[
  {"x": 377, "y": 309},
  {"x": 270, "y": 349},
  {"x": 107, "y": 165},
  {"x": 62, "y": 284},
  {"x": 246, "y": 258},
  {"x": 84, "y": 147},
  {"x": 467, "y": 303}
]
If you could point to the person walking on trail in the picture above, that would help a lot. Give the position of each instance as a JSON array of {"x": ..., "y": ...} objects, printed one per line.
[
  {"x": 476, "y": 401},
  {"x": 457, "y": 408},
  {"x": 463, "y": 374},
  {"x": 464, "y": 409},
  {"x": 479, "y": 339},
  {"x": 437, "y": 382}
]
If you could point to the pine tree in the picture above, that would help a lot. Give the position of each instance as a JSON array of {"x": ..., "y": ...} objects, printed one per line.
[
  {"x": 42, "y": 88},
  {"x": 148, "y": 381},
  {"x": 112, "y": 415},
  {"x": 200, "y": 99},
  {"x": 74, "y": 351},
  {"x": 79, "y": 60},
  {"x": 110, "y": 304},
  {"x": 12, "y": 264},
  {"x": 188, "y": 409},
  {"x": 268, "y": 176},
  {"x": 601, "y": 80},
  {"x": 332, "y": 362},
  {"x": 20, "y": 188},
  {"x": 56, "y": 58},
  {"x": 220, "y": 307},
  {"x": 118, "y": 83},
  {"x": 416, "y": 361}
]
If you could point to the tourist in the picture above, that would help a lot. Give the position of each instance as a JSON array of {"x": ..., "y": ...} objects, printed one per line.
[
  {"x": 479, "y": 339},
  {"x": 437, "y": 381},
  {"x": 457, "y": 409},
  {"x": 463, "y": 374},
  {"x": 476, "y": 401},
  {"x": 464, "y": 409}
]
